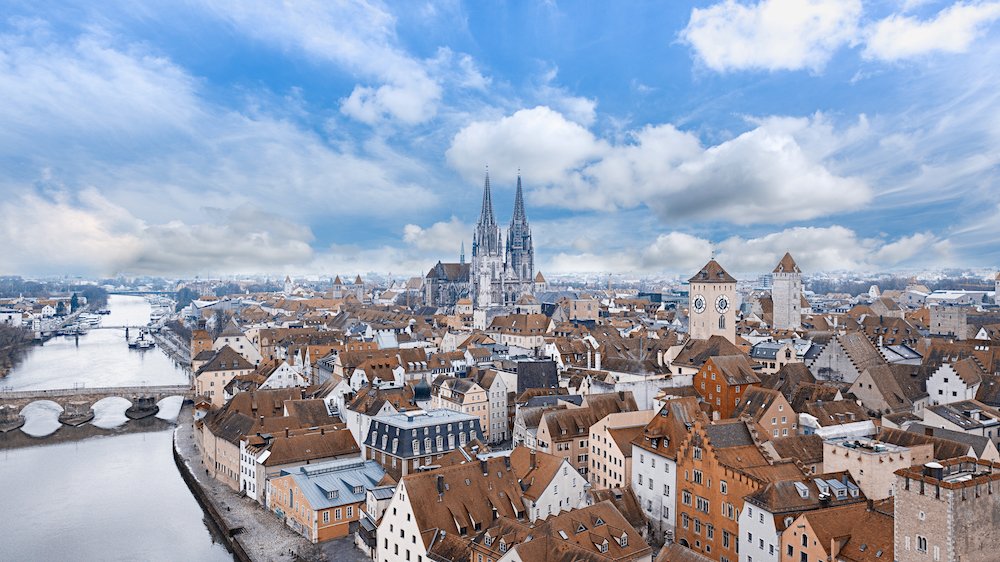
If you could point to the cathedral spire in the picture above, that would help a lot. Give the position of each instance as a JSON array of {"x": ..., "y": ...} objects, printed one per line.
[
  {"x": 519, "y": 215},
  {"x": 461, "y": 258},
  {"x": 486, "y": 214}
]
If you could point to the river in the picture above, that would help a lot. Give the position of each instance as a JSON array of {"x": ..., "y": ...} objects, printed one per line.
[{"x": 112, "y": 497}]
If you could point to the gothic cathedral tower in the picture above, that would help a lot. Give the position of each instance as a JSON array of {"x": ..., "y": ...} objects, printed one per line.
[
  {"x": 520, "y": 257},
  {"x": 786, "y": 295},
  {"x": 711, "y": 303},
  {"x": 487, "y": 254}
]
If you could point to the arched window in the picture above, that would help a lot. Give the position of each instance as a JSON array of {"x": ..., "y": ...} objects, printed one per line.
[{"x": 722, "y": 322}]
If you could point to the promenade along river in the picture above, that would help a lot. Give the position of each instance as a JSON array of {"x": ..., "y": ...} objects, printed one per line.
[{"x": 113, "y": 497}]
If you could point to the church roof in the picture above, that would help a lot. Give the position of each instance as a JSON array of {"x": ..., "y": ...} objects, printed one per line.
[
  {"x": 787, "y": 265},
  {"x": 712, "y": 273},
  {"x": 450, "y": 272},
  {"x": 337, "y": 281},
  {"x": 539, "y": 278},
  {"x": 358, "y": 281}
]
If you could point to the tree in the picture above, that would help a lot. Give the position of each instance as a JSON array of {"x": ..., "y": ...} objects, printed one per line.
[
  {"x": 61, "y": 308},
  {"x": 74, "y": 303},
  {"x": 184, "y": 298}
]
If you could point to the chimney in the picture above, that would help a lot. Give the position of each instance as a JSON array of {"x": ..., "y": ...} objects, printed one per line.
[
  {"x": 532, "y": 465},
  {"x": 286, "y": 432},
  {"x": 322, "y": 431},
  {"x": 929, "y": 431},
  {"x": 482, "y": 465},
  {"x": 440, "y": 484}
]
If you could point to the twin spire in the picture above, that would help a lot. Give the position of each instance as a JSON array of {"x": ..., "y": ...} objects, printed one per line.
[{"x": 486, "y": 215}]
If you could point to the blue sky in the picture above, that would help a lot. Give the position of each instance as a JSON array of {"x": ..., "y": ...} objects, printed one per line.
[{"x": 214, "y": 136}]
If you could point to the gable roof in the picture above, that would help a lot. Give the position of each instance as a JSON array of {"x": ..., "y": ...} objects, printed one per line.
[
  {"x": 226, "y": 359},
  {"x": 712, "y": 272},
  {"x": 735, "y": 369},
  {"x": 695, "y": 351}
]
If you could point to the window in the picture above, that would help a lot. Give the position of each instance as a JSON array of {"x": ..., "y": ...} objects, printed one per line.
[
  {"x": 697, "y": 453},
  {"x": 686, "y": 497},
  {"x": 697, "y": 477},
  {"x": 725, "y": 539},
  {"x": 723, "y": 487},
  {"x": 326, "y": 516},
  {"x": 350, "y": 511},
  {"x": 921, "y": 544},
  {"x": 701, "y": 504},
  {"x": 805, "y": 540}
]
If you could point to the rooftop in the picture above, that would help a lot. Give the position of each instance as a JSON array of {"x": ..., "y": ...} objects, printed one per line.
[
  {"x": 865, "y": 445},
  {"x": 423, "y": 418}
]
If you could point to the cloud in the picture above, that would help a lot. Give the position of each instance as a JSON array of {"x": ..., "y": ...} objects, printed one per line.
[
  {"x": 952, "y": 30},
  {"x": 444, "y": 237},
  {"x": 776, "y": 172},
  {"x": 135, "y": 125},
  {"x": 815, "y": 249},
  {"x": 540, "y": 139},
  {"x": 771, "y": 34},
  {"x": 359, "y": 36},
  {"x": 89, "y": 234}
]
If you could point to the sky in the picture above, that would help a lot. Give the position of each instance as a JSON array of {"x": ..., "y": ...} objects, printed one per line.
[{"x": 215, "y": 137}]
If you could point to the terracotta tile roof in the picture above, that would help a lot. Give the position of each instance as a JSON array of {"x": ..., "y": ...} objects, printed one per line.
[
  {"x": 696, "y": 352},
  {"x": 665, "y": 432},
  {"x": 806, "y": 448},
  {"x": 755, "y": 402},
  {"x": 226, "y": 359},
  {"x": 736, "y": 369},
  {"x": 576, "y": 535},
  {"x": 943, "y": 448},
  {"x": 535, "y": 469},
  {"x": 459, "y": 498},
  {"x": 712, "y": 272},
  {"x": 310, "y": 445},
  {"x": 787, "y": 265}
]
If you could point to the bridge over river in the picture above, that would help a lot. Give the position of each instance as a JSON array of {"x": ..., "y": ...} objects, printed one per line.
[
  {"x": 63, "y": 396},
  {"x": 78, "y": 403}
]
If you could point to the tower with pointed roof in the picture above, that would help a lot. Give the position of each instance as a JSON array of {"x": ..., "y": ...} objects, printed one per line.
[
  {"x": 712, "y": 303},
  {"x": 487, "y": 254},
  {"x": 786, "y": 294},
  {"x": 520, "y": 257}
]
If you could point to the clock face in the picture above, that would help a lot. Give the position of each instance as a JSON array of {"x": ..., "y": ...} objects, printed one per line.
[
  {"x": 698, "y": 303},
  {"x": 722, "y": 303}
]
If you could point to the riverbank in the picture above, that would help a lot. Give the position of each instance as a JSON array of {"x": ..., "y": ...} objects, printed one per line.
[
  {"x": 253, "y": 533},
  {"x": 173, "y": 347}
]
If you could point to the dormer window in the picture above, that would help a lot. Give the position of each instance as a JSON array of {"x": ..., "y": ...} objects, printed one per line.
[
  {"x": 623, "y": 541},
  {"x": 599, "y": 522},
  {"x": 488, "y": 540},
  {"x": 603, "y": 547},
  {"x": 503, "y": 546}
]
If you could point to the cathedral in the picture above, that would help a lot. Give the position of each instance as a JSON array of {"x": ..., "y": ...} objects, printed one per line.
[{"x": 502, "y": 270}]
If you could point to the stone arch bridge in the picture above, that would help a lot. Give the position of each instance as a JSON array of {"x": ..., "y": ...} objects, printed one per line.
[{"x": 63, "y": 396}]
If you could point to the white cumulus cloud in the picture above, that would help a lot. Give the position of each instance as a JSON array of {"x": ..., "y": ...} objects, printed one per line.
[
  {"x": 771, "y": 34},
  {"x": 952, "y": 30}
]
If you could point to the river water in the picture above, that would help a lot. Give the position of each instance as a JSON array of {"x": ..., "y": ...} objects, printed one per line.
[{"x": 113, "y": 497}]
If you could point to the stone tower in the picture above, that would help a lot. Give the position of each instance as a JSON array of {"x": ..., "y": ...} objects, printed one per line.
[
  {"x": 712, "y": 303},
  {"x": 520, "y": 258},
  {"x": 996, "y": 294},
  {"x": 786, "y": 295},
  {"x": 487, "y": 254}
]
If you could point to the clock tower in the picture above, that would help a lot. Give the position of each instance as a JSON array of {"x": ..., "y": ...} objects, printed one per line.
[{"x": 712, "y": 303}]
